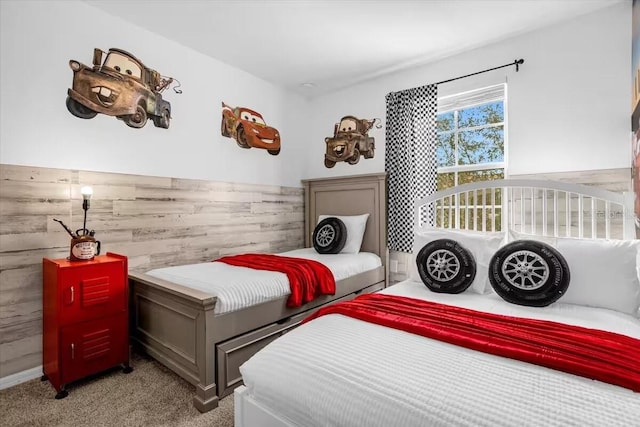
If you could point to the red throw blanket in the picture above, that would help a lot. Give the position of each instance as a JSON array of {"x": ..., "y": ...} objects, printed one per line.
[
  {"x": 308, "y": 279},
  {"x": 591, "y": 353}
]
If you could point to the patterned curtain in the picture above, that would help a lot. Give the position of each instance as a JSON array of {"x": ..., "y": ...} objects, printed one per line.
[{"x": 410, "y": 159}]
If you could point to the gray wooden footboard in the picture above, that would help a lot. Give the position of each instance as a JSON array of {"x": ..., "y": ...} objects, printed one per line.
[
  {"x": 173, "y": 324},
  {"x": 176, "y": 325}
]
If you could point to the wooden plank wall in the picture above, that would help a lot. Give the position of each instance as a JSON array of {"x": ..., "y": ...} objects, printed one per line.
[{"x": 155, "y": 221}]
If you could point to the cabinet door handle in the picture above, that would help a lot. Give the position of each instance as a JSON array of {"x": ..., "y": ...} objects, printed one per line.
[
  {"x": 72, "y": 296},
  {"x": 73, "y": 351}
]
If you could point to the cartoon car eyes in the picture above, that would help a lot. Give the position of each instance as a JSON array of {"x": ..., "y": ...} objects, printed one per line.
[
  {"x": 348, "y": 126},
  {"x": 252, "y": 118}
]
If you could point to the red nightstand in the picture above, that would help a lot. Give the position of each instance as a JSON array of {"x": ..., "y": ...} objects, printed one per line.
[{"x": 85, "y": 318}]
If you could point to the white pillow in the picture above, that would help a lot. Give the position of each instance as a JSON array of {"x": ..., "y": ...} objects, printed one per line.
[
  {"x": 481, "y": 245},
  {"x": 604, "y": 273},
  {"x": 356, "y": 225}
]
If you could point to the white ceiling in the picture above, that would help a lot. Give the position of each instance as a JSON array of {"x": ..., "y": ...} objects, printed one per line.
[{"x": 333, "y": 44}]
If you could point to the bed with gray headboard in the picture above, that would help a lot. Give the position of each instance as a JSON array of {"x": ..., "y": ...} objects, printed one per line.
[
  {"x": 554, "y": 265},
  {"x": 178, "y": 325}
]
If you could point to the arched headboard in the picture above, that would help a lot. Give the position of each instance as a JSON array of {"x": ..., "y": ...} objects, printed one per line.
[{"x": 548, "y": 208}]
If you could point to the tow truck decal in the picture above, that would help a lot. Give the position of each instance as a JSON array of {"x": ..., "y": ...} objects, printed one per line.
[
  {"x": 350, "y": 141},
  {"x": 121, "y": 86}
]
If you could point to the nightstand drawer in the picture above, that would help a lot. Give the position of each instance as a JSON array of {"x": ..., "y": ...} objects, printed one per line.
[
  {"x": 91, "y": 292},
  {"x": 93, "y": 346}
]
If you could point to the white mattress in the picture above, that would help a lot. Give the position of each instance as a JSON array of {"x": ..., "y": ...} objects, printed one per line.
[
  {"x": 340, "y": 371},
  {"x": 240, "y": 287}
]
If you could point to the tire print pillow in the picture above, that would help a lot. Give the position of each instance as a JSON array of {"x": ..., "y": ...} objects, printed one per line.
[
  {"x": 329, "y": 236},
  {"x": 529, "y": 272},
  {"x": 481, "y": 245},
  {"x": 445, "y": 266}
]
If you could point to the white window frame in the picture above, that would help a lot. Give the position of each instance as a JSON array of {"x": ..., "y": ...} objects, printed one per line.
[
  {"x": 463, "y": 101},
  {"x": 471, "y": 99}
]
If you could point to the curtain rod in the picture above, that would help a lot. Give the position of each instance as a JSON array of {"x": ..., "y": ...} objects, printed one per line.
[{"x": 517, "y": 63}]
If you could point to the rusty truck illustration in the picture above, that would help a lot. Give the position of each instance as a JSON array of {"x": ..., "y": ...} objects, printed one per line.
[
  {"x": 350, "y": 140},
  {"x": 121, "y": 86}
]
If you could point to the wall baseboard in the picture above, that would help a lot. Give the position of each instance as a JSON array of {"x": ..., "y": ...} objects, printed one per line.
[{"x": 20, "y": 377}]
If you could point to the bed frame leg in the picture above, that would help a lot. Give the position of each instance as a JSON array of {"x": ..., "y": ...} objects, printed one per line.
[
  {"x": 205, "y": 398},
  {"x": 238, "y": 407}
]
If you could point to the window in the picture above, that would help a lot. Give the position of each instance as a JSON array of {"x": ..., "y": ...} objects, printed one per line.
[{"x": 471, "y": 147}]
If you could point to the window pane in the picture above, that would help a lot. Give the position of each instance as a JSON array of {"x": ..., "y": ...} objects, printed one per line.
[
  {"x": 485, "y": 175},
  {"x": 481, "y": 115},
  {"x": 471, "y": 136},
  {"x": 445, "y": 121},
  {"x": 481, "y": 146},
  {"x": 445, "y": 150},
  {"x": 445, "y": 180}
]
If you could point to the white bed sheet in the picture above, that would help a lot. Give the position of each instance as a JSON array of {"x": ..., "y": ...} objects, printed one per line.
[
  {"x": 340, "y": 371},
  {"x": 240, "y": 287}
]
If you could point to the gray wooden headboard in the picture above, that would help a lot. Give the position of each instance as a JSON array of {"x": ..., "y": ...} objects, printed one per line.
[{"x": 350, "y": 195}]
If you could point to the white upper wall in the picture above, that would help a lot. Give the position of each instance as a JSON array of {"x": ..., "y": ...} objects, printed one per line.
[
  {"x": 38, "y": 38},
  {"x": 568, "y": 106}
]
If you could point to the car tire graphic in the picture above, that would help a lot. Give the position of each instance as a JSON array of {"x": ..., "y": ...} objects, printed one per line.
[
  {"x": 445, "y": 266},
  {"x": 355, "y": 158},
  {"x": 163, "y": 120},
  {"x": 241, "y": 138},
  {"x": 79, "y": 110},
  {"x": 223, "y": 128},
  {"x": 329, "y": 236},
  {"x": 528, "y": 272},
  {"x": 329, "y": 163},
  {"x": 138, "y": 119},
  {"x": 369, "y": 153}
]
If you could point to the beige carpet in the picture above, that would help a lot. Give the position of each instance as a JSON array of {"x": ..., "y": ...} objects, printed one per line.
[{"x": 151, "y": 395}]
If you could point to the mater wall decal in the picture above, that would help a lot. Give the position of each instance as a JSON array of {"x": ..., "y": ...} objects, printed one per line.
[
  {"x": 121, "y": 86},
  {"x": 249, "y": 129},
  {"x": 350, "y": 140}
]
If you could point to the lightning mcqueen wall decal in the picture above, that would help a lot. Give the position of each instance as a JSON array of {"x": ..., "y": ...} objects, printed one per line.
[{"x": 249, "y": 129}]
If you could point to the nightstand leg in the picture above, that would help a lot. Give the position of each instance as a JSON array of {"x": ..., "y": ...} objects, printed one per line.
[
  {"x": 62, "y": 394},
  {"x": 44, "y": 378},
  {"x": 127, "y": 369}
]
